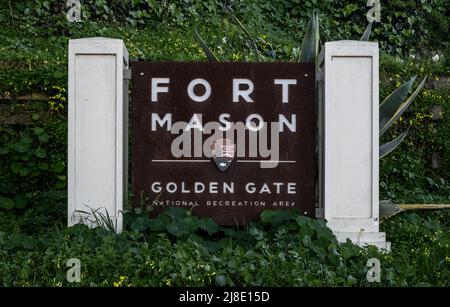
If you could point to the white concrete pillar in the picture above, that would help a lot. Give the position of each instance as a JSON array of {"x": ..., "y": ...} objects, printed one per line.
[
  {"x": 98, "y": 130},
  {"x": 350, "y": 132}
]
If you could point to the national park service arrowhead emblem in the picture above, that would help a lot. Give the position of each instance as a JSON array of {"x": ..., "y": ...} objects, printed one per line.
[{"x": 223, "y": 153}]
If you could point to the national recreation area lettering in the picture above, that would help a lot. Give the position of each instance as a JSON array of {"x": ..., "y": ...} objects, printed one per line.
[
  {"x": 214, "y": 188},
  {"x": 228, "y": 139}
]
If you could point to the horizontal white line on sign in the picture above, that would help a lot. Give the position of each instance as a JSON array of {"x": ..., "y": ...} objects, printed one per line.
[
  {"x": 267, "y": 161},
  {"x": 241, "y": 161},
  {"x": 181, "y": 160}
]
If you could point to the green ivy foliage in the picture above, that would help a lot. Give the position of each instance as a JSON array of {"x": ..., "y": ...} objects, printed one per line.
[
  {"x": 33, "y": 164},
  {"x": 177, "y": 248},
  {"x": 406, "y": 27},
  {"x": 407, "y": 175},
  {"x": 284, "y": 249}
]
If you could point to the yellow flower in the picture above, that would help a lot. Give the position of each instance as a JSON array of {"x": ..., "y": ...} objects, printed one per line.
[{"x": 119, "y": 283}]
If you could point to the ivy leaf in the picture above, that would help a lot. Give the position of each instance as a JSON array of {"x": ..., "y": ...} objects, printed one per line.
[
  {"x": 208, "y": 225},
  {"x": 58, "y": 167},
  {"x": 348, "y": 250},
  {"x": 230, "y": 232},
  {"x": 21, "y": 240},
  {"x": 191, "y": 223},
  {"x": 61, "y": 177},
  {"x": 221, "y": 280},
  {"x": 19, "y": 168},
  {"x": 275, "y": 216},
  {"x": 159, "y": 223},
  {"x": 24, "y": 171},
  {"x": 140, "y": 224},
  {"x": 43, "y": 137},
  {"x": 306, "y": 241},
  {"x": 38, "y": 130},
  {"x": 306, "y": 231},
  {"x": 175, "y": 212},
  {"x": 40, "y": 153},
  {"x": 60, "y": 184},
  {"x": 21, "y": 147},
  {"x": 43, "y": 166},
  {"x": 6, "y": 203},
  {"x": 178, "y": 228},
  {"x": 26, "y": 139},
  {"x": 301, "y": 220},
  {"x": 16, "y": 167},
  {"x": 20, "y": 201}
]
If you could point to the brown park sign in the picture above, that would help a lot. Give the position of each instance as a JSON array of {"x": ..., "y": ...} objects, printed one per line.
[{"x": 229, "y": 139}]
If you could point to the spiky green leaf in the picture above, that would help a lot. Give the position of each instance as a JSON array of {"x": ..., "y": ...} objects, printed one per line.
[
  {"x": 255, "y": 47},
  {"x": 209, "y": 54},
  {"x": 390, "y": 146},
  {"x": 402, "y": 107},
  {"x": 310, "y": 44},
  {"x": 388, "y": 209},
  {"x": 367, "y": 32},
  {"x": 391, "y": 104}
]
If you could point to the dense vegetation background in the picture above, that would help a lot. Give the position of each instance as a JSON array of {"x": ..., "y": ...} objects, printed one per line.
[{"x": 413, "y": 37}]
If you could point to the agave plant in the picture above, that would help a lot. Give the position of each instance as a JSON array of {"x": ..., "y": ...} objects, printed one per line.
[{"x": 390, "y": 109}]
